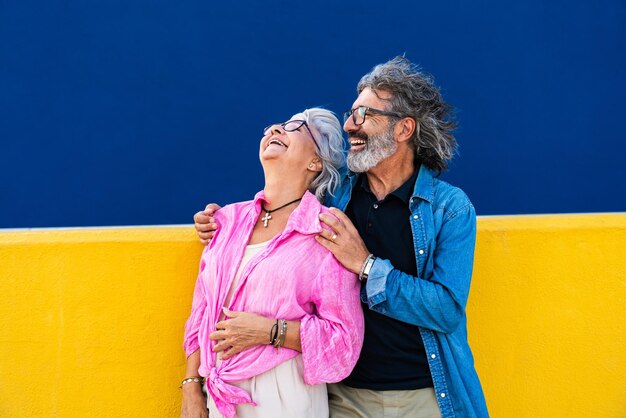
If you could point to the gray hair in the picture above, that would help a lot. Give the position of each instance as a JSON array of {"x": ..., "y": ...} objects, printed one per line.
[
  {"x": 414, "y": 94},
  {"x": 329, "y": 138}
]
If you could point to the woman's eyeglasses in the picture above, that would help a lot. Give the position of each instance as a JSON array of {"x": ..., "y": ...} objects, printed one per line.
[{"x": 291, "y": 126}]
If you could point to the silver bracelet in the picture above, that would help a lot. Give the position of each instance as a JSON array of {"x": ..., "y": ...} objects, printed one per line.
[{"x": 366, "y": 267}]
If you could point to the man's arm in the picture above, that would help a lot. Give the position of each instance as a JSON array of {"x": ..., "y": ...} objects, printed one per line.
[{"x": 436, "y": 301}]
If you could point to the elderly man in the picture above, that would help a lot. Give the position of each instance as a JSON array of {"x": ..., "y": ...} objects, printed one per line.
[{"x": 410, "y": 237}]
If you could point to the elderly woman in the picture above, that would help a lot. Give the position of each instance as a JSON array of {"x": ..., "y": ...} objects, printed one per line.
[{"x": 264, "y": 279}]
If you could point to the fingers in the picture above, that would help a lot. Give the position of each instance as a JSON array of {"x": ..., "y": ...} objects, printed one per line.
[
  {"x": 229, "y": 313},
  {"x": 217, "y": 335},
  {"x": 343, "y": 218},
  {"x": 220, "y": 346},
  {"x": 206, "y": 227},
  {"x": 329, "y": 236},
  {"x": 330, "y": 220},
  {"x": 329, "y": 245},
  {"x": 231, "y": 352},
  {"x": 339, "y": 214},
  {"x": 202, "y": 218},
  {"x": 212, "y": 208}
]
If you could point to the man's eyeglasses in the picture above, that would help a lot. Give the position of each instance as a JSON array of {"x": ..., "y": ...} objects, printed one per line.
[
  {"x": 359, "y": 113},
  {"x": 290, "y": 126}
]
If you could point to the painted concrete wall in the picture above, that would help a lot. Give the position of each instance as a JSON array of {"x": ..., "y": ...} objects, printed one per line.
[
  {"x": 91, "y": 320},
  {"x": 135, "y": 112}
]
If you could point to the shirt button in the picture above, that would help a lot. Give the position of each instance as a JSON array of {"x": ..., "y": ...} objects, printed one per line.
[
  {"x": 375, "y": 205},
  {"x": 414, "y": 216},
  {"x": 433, "y": 356},
  {"x": 443, "y": 395},
  {"x": 421, "y": 252}
]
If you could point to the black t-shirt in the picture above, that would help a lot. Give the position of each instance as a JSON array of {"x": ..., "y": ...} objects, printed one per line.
[{"x": 393, "y": 355}]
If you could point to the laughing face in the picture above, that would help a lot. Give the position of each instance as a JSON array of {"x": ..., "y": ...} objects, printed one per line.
[
  {"x": 373, "y": 141},
  {"x": 291, "y": 143}
]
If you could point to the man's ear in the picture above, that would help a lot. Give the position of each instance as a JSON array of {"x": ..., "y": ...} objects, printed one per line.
[
  {"x": 405, "y": 128},
  {"x": 315, "y": 165}
]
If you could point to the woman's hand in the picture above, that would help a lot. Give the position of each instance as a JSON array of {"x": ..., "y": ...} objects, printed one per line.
[
  {"x": 194, "y": 402},
  {"x": 241, "y": 331},
  {"x": 205, "y": 223}
]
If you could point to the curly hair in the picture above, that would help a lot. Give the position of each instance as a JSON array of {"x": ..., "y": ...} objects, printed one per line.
[{"x": 414, "y": 94}]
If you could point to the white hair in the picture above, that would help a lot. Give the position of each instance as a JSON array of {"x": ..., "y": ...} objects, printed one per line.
[{"x": 329, "y": 138}]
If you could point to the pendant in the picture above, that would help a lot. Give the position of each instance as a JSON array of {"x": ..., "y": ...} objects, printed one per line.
[{"x": 266, "y": 219}]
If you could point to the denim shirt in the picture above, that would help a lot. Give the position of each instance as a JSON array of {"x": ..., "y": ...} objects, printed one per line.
[{"x": 443, "y": 223}]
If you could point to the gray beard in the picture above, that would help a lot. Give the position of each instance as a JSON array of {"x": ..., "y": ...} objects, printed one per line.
[{"x": 378, "y": 148}]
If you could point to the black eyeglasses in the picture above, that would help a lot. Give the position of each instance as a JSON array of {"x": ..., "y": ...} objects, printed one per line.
[
  {"x": 359, "y": 113},
  {"x": 290, "y": 126}
]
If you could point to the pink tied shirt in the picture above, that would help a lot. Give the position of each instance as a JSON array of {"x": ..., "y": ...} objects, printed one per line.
[{"x": 293, "y": 278}]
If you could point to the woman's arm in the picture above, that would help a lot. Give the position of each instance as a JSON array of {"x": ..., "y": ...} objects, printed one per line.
[
  {"x": 194, "y": 402},
  {"x": 244, "y": 330},
  {"x": 332, "y": 339}
]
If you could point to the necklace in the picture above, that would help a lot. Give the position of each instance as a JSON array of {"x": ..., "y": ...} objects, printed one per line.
[{"x": 268, "y": 215}]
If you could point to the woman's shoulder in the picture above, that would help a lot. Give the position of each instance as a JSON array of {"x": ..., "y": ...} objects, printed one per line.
[{"x": 233, "y": 211}]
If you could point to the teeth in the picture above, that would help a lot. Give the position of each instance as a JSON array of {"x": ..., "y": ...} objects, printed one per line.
[
  {"x": 278, "y": 142},
  {"x": 357, "y": 142}
]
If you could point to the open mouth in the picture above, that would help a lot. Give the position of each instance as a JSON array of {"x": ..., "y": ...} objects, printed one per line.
[
  {"x": 357, "y": 144},
  {"x": 277, "y": 142}
]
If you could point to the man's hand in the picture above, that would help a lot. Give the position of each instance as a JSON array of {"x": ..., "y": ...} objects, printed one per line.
[
  {"x": 241, "y": 331},
  {"x": 205, "y": 223},
  {"x": 343, "y": 240}
]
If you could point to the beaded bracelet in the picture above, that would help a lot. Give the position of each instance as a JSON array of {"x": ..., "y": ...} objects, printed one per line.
[{"x": 192, "y": 379}]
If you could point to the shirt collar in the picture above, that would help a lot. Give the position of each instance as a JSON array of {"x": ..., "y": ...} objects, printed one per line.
[
  {"x": 304, "y": 219},
  {"x": 424, "y": 188},
  {"x": 403, "y": 192}
]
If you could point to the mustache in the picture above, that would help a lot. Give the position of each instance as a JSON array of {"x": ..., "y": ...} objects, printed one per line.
[{"x": 359, "y": 135}]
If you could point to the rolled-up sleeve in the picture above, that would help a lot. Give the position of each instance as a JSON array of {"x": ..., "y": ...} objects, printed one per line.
[
  {"x": 332, "y": 338},
  {"x": 436, "y": 301}
]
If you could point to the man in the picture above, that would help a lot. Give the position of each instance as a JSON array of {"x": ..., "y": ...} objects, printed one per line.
[{"x": 410, "y": 237}]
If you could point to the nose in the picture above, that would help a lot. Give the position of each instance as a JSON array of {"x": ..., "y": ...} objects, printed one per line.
[
  {"x": 349, "y": 126},
  {"x": 276, "y": 129}
]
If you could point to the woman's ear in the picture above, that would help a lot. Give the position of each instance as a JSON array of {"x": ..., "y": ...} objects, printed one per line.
[{"x": 315, "y": 165}]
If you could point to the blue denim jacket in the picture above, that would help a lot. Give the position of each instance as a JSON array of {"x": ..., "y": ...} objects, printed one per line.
[{"x": 443, "y": 222}]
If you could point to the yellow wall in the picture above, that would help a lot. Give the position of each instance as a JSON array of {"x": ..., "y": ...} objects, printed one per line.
[{"x": 91, "y": 319}]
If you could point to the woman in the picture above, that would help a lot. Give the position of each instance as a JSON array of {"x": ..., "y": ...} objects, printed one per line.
[{"x": 264, "y": 259}]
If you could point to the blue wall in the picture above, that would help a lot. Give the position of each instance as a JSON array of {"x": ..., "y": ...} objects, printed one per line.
[{"x": 140, "y": 112}]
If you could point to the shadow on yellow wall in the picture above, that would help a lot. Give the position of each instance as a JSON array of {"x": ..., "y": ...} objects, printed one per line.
[{"x": 92, "y": 319}]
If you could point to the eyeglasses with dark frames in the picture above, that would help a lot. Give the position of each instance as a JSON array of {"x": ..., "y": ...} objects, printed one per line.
[
  {"x": 291, "y": 126},
  {"x": 359, "y": 113}
]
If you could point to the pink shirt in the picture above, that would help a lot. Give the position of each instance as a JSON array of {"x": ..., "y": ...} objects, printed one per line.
[{"x": 293, "y": 278}]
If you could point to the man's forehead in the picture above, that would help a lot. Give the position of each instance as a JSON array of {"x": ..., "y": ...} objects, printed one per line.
[{"x": 372, "y": 98}]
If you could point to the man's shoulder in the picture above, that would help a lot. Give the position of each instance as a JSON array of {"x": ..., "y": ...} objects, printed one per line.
[{"x": 448, "y": 198}]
